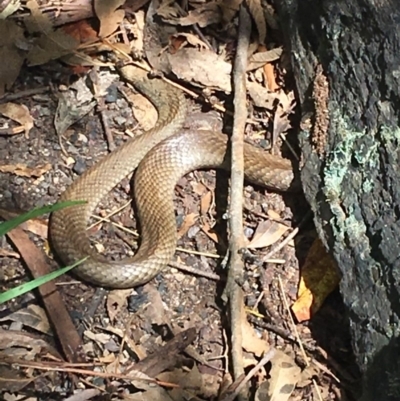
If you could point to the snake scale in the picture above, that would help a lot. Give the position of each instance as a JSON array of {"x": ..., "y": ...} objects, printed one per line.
[{"x": 162, "y": 155}]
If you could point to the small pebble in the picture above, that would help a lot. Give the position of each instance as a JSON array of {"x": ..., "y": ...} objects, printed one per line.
[
  {"x": 120, "y": 120},
  {"x": 112, "y": 94},
  {"x": 79, "y": 166}
]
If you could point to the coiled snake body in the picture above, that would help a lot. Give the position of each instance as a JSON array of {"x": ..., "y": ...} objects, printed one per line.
[{"x": 165, "y": 153}]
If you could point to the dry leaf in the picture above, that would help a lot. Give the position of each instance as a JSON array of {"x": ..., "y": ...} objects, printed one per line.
[
  {"x": 116, "y": 300},
  {"x": 109, "y": 16},
  {"x": 189, "y": 221},
  {"x": 257, "y": 12},
  {"x": 180, "y": 40},
  {"x": 284, "y": 376},
  {"x": 51, "y": 46},
  {"x": 229, "y": 9},
  {"x": 270, "y": 77},
  {"x": 23, "y": 170},
  {"x": 37, "y": 21},
  {"x": 33, "y": 316},
  {"x": 155, "y": 310},
  {"x": 23, "y": 346},
  {"x": 281, "y": 118},
  {"x": 73, "y": 104},
  {"x": 207, "y": 14},
  {"x": 273, "y": 215},
  {"x": 19, "y": 113},
  {"x": 10, "y": 33},
  {"x": 190, "y": 383},
  {"x": 198, "y": 187},
  {"x": 36, "y": 226},
  {"x": 99, "y": 338},
  {"x": 267, "y": 233},
  {"x": 258, "y": 60},
  {"x": 81, "y": 31},
  {"x": 209, "y": 232},
  {"x": 319, "y": 277},
  {"x": 205, "y": 203},
  {"x": 261, "y": 96},
  {"x": 204, "y": 68},
  {"x": 251, "y": 342},
  {"x": 10, "y": 8}
]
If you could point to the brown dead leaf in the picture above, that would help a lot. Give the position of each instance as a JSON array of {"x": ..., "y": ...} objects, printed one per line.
[
  {"x": 73, "y": 104},
  {"x": 33, "y": 316},
  {"x": 257, "y": 12},
  {"x": 229, "y": 9},
  {"x": 109, "y": 16},
  {"x": 251, "y": 342},
  {"x": 205, "y": 203},
  {"x": 209, "y": 232},
  {"x": 204, "y": 68},
  {"x": 270, "y": 77},
  {"x": 49, "y": 44},
  {"x": 35, "y": 261},
  {"x": 10, "y": 33},
  {"x": 81, "y": 31},
  {"x": 189, "y": 221},
  {"x": 9, "y": 254},
  {"x": 99, "y": 338},
  {"x": 180, "y": 40},
  {"x": 284, "y": 110},
  {"x": 116, "y": 300},
  {"x": 284, "y": 376},
  {"x": 19, "y": 113},
  {"x": 207, "y": 14},
  {"x": 23, "y": 170},
  {"x": 155, "y": 310},
  {"x": 198, "y": 187},
  {"x": 273, "y": 215},
  {"x": 23, "y": 346},
  {"x": 261, "y": 96},
  {"x": 37, "y": 21},
  {"x": 36, "y": 226},
  {"x": 258, "y": 60},
  {"x": 10, "y": 8},
  {"x": 267, "y": 233},
  {"x": 189, "y": 382},
  {"x": 319, "y": 277}
]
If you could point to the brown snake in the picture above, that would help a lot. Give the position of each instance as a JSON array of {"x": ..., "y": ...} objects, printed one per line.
[{"x": 164, "y": 158}]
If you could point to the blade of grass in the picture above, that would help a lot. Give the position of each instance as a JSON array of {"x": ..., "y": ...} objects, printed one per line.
[
  {"x": 6, "y": 226},
  {"x": 24, "y": 288}
]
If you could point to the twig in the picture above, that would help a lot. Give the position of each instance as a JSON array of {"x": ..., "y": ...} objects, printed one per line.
[
  {"x": 296, "y": 333},
  {"x": 233, "y": 291},
  {"x": 282, "y": 244},
  {"x": 101, "y": 109},
  {"x": 25, "y": 93},
  {"x": 265, "y": 359}
]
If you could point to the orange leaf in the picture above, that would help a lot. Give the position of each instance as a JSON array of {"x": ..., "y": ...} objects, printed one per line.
[
  {"x": 82, "y": 31},
  {"x": 319, "y": 277}
]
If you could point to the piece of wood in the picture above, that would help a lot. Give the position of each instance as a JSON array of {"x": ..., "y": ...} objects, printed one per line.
[{"x": 345, "y": 57}]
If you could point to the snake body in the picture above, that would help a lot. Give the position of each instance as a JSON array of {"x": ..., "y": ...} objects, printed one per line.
[{"x": 163, "y": 155}]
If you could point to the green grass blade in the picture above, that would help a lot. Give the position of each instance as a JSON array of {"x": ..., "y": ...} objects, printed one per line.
[
  {"x": 6, "y": 226},
  {"x": 24, "y": 288}
]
